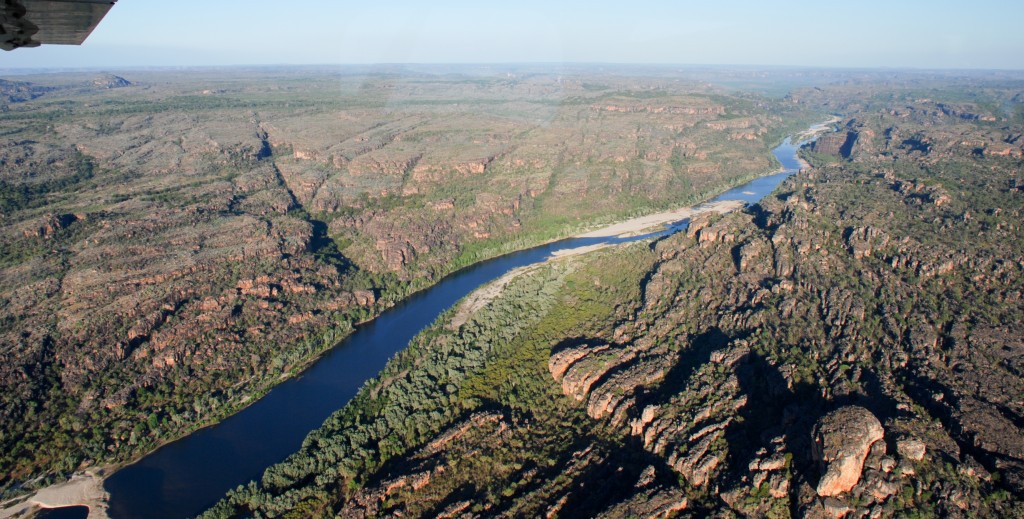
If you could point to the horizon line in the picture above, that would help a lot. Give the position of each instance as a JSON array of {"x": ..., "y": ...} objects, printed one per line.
[{"x": 44, "y": 70}]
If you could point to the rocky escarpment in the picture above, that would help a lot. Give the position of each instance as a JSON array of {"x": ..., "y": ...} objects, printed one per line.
[
  {"x": 611, "y": 382},
  {"x": 129, "y": 292},
  {"x": 19, "y": 91},
  {"x": 840, "y": 143},
  {"x": 781, "y": 333},
  {"x": 853, "y": 138},
  {"x": 109, "y": 81},
  {"x": 794, "y": 247},
  {"x": 23, "y": 91}
]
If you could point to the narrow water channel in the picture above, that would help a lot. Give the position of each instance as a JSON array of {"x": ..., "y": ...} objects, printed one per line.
[{"x": 185, "y": 477}]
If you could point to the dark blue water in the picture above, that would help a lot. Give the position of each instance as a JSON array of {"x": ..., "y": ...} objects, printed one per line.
[
  {"x": 64, "y": 512},
  {"x": 188, "y": 476}
]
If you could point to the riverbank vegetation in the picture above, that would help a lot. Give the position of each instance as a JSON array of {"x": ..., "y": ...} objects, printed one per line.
[{"x": 496, "y": 362}]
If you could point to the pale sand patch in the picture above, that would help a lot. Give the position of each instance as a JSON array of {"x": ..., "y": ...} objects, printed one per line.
[
  {"x": 561, "y": 253},
  {"x": 816, "y": 129},
  {"x": 82, "y": 490},
  {"x": 653, "y": 220},
  {"x": 484, "y": 295},
  {"x": 812, "y": 133}
]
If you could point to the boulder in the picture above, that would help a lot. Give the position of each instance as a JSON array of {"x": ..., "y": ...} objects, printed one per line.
[
  {"x": 842, "y": 440},
  {"x": 911, "y": 448}
]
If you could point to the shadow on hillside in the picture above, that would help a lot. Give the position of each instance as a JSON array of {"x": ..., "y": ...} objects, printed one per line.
[
  {"x": 777, "y": 410},
  {"x": 613, "y": 478},
  {"x": 585, "y": 484},
  {"x": 690, "y": 360},
  {"x": 950, "y": 411}
]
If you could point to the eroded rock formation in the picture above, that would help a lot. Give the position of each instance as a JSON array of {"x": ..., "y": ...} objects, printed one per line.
[{"x": 842, "y": 441}]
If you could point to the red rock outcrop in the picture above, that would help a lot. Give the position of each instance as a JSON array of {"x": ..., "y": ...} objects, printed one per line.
[{"x": 842, "y": 441}]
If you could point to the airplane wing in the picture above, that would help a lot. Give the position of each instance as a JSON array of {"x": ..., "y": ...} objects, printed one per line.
[{"x": 29, "y": 23}]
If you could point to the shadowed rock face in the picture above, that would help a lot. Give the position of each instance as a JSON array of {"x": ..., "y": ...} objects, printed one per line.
[
  {"x": 840, "y": 144},
  {"x": 842, "y": 440},
  {"x": 110, "y": 81}
]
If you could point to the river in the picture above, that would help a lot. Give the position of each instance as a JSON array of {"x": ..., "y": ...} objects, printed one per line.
[{"x": 183, "y": 478}]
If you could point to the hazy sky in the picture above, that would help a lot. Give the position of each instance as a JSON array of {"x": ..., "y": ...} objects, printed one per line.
[{"x": 867, "y": 33}]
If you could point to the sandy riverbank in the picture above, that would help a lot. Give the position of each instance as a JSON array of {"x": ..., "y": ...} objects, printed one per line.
[
  {"x": 644, "y": 223},
  {"x": 81, "y": 490},
  {"x": 812, "y": 133},
  {"x": 819, "y": 128},
  {"x": 632, "y": 227},
  {"x": 484, "y": 295}
]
